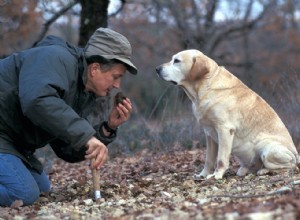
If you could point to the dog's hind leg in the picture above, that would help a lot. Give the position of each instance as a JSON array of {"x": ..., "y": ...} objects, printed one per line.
[
  {"x": 277, "y": 157},
  {"x": 248, "y": 162}
]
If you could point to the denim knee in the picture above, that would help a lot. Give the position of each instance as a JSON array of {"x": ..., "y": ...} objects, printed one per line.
[
  {"x": 28, "y": 194},
  {"x": 42, "y": 181},
  {"x": 16, "y": 182}
]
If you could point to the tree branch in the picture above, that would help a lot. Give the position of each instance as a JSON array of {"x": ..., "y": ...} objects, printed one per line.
[
  {"x": 119, "y": 9},
  {"x": 53, "y": 19},
  {"x": 246, "y": 25},
  {"x": 210, "y": 12}
]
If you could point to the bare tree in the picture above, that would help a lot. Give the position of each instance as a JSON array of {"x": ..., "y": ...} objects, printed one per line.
[
  {"x": 93, "y": 15},
  {"x": 200, "y": 25},
  {"x": 53, "y": 18}
]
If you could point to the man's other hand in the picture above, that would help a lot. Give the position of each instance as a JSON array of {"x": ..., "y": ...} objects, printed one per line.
[{"x": 97, "y": 150}]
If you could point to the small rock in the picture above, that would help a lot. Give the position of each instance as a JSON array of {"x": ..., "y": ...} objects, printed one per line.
[
  {"x": 88, "y": 202},
  {"x": 179, "y": 214},
  {"x": 18, "y": 217},
  {"x": 214, "y": 188},
  {"x": 231, "y": 216},
  {"x": 202, "y": 201},
  {"x": 118, "y": 213},
  {"x": 166, "y": 194},
  {"x": 43, "y": 199},
  {"x": 260, "y": 216},
  {"x": 121, "y": 202}
]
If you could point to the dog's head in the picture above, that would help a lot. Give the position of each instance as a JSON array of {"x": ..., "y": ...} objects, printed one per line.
[{"x": 187, "y": 65}]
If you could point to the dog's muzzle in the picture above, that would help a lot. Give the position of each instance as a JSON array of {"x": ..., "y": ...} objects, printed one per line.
[{"x": 159, "y": 71}]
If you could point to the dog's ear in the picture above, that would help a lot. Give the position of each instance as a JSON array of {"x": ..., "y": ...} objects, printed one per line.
[{"x": 199, "y": 68}]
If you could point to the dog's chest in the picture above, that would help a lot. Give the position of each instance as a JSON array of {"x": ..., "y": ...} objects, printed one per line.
[
  {"x": 196, "y": 113},
  {"x": 208, "y": 129},
  {"x": 199, "y": 111}
]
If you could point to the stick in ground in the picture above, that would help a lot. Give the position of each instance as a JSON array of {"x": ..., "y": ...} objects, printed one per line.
[{"x": 96, "y": 183}]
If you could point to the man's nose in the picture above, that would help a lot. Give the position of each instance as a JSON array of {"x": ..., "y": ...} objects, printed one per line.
[{"x": 117, "y": 84}]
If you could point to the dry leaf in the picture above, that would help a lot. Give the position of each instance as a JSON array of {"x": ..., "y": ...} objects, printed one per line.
[{"x": 16, "y": 204}]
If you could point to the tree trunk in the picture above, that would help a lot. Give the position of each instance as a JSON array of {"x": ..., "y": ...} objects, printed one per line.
[{"x": 93, "y": 15}]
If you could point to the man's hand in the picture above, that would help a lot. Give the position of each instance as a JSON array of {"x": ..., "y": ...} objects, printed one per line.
[
  {"x": 120, "y": 113},
  {"x": 97, "y": 150}
]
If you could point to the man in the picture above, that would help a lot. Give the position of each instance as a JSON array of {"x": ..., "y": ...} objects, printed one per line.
[{"x": 46, "y": 96}]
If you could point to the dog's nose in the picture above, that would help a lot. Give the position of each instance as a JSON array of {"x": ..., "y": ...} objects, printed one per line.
[{"x": 158, "y": 69}]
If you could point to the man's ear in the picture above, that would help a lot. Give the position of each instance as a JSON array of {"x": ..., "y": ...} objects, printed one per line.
[
  {"x": 93, "y": 68},
  {"x": 199, "y": 68}
]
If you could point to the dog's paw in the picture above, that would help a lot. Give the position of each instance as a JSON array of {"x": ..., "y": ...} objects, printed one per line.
[
  {"x": 198, "y": 177},
  {"x": 216, "y": 176},
  {"x": 201, "y": 175},
  {"x": 242, "y": 171},
  {"x": 263, "y": 171}
]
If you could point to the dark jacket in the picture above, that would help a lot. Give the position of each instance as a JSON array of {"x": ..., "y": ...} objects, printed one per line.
[{"x": 43, "y": 100}]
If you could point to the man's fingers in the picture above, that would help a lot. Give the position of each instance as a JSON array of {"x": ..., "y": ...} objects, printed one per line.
[
  {"x": 102, "y": 161},
  {"x": 126, "y": 106},
  {"x": 92, "y": 151},
  {"x": 100, "y": 158},
  {"x": 123, "y": 111},
  {"x": 126, "y": 102},
  {"x": 96, "y": 150}
]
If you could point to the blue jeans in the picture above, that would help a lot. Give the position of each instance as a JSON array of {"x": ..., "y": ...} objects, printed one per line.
[{"x": 18, "y": 182}]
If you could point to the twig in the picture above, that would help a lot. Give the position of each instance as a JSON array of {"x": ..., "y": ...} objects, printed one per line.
[{"x": 279, "y": 191}]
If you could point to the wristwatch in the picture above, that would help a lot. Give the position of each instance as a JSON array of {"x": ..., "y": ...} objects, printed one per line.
[{"x": 109, "y": 129}]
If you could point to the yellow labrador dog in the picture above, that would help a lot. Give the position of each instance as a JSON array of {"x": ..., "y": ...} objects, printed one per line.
[{"x": 235, "y": 119}]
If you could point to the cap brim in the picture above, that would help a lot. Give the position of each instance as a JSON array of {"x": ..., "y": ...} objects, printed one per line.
[{"x": 129, "y": 65}]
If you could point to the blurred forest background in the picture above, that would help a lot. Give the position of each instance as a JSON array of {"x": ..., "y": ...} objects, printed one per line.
[{"x": 257, "y": 40}]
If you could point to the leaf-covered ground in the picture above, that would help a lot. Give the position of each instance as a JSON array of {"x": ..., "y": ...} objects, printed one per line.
[{"x": 160, "y": 186}]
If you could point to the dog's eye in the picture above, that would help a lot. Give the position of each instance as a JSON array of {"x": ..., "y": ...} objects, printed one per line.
[{"x": 176, "y": 61}]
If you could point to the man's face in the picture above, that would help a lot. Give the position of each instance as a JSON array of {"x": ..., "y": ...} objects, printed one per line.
[{"x": 101, "y": 82}]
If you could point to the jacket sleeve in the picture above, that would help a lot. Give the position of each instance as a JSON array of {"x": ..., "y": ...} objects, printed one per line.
[
  {"x": 45, "y": 79},
  {"x": 104, "y": 139},
  {"x": 97, "y": 116},
  {"x": 66, "y": 152}
]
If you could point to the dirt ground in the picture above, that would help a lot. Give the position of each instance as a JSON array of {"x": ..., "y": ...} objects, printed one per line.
[{"x": 160, "y": 186}]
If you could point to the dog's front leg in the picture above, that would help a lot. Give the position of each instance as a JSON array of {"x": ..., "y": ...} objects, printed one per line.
[
  {"x": 225, "y": 139},
  {"x": 211, "y": 156}
]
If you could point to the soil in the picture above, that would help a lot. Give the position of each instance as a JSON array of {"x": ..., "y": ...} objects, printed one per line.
[{"x": 151, "y": 185}]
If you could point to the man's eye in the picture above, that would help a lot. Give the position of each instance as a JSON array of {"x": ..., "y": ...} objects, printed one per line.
[{"x": 176, "y": 61}]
